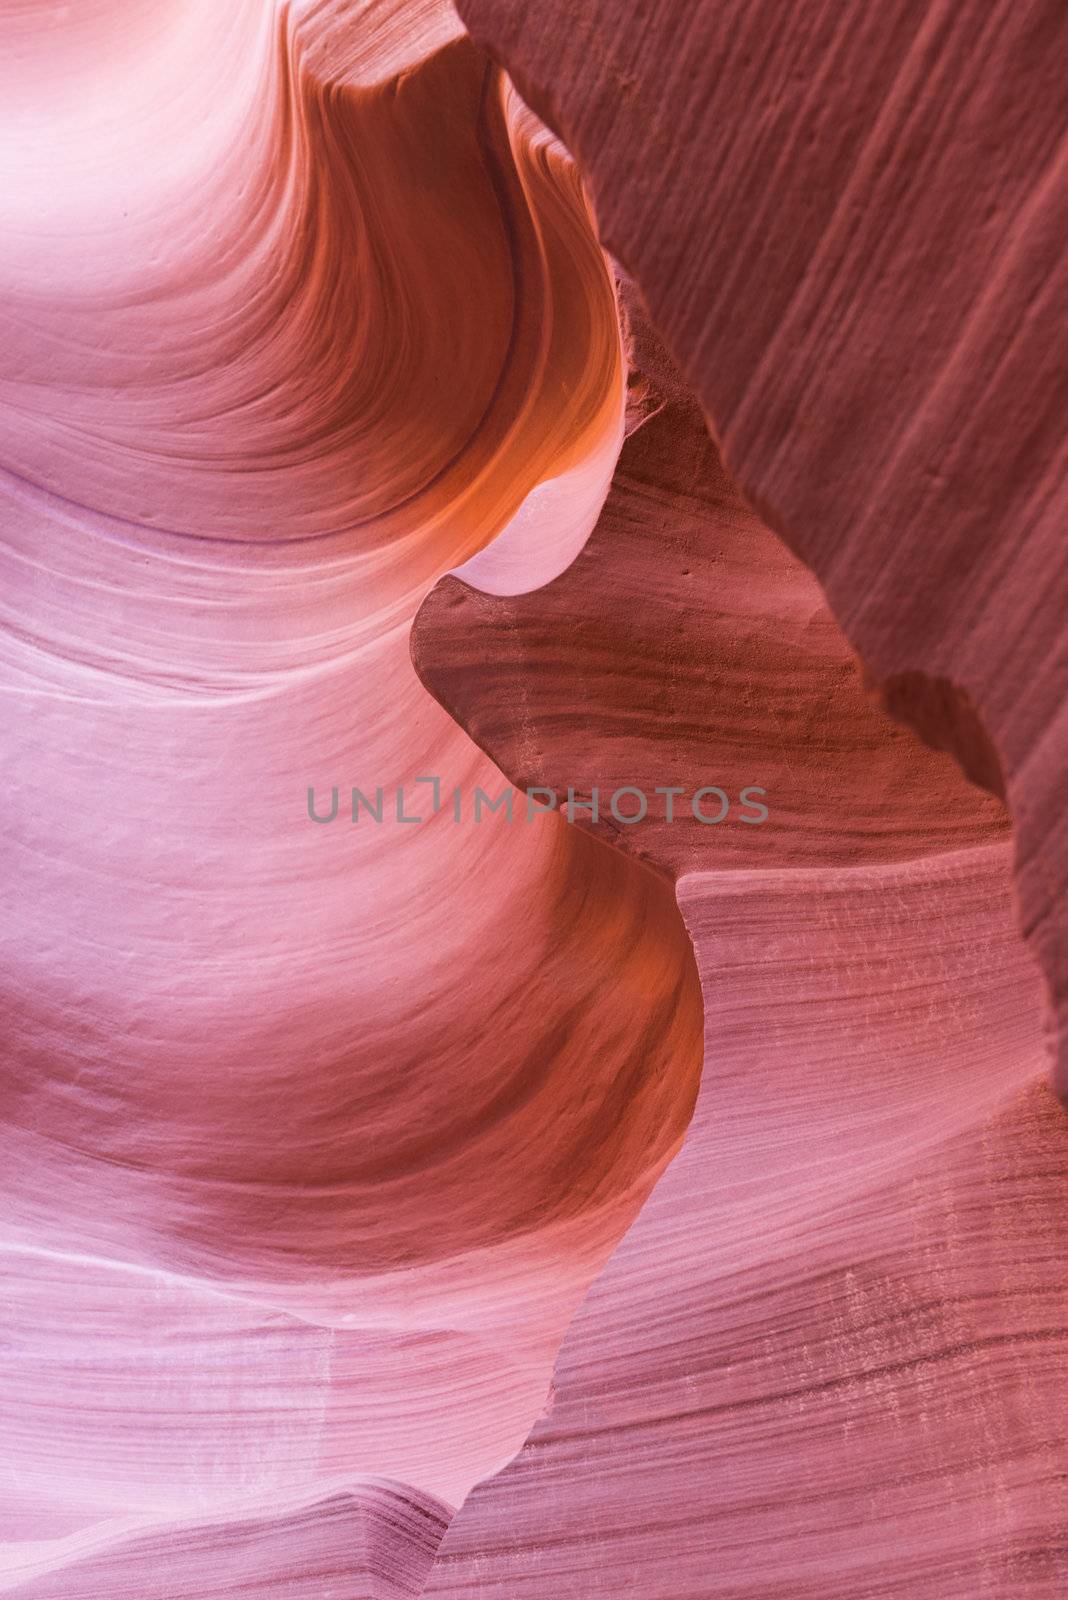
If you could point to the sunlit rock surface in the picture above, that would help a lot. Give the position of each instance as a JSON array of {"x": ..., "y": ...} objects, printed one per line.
[{"x": 315, "y": 1134}]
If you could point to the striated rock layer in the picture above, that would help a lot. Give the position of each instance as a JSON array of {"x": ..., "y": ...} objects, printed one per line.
[
  {"x": 847, "y": 222},
  {"x": 311, "y": 1137},
  {"x": 316, "y": 1127},
  {"x": 374, "y": 1542},
  {"x": 831, "y": 1356}
]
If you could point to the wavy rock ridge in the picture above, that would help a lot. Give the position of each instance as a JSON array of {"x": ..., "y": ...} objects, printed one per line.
[
  {"x": 315, "y": 1136},
  {"x": 825, "y": 1360}
]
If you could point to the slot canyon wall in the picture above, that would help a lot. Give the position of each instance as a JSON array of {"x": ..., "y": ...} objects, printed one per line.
[{"x": 406, "y": 1194}]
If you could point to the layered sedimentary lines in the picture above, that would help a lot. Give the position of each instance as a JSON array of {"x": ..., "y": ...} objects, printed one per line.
[
  {"x": 314, "y": 1138},
  {"x": 852, "y": 243},
  {"x": 686, "y": 647},
  {"x": 830, "y": 1356},
  {"x": 375, "y": 1541}
]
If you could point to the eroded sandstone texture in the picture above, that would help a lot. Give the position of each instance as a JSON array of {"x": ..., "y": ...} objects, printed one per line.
[
  {"x": 848, "y": 223},
  {"x": 823, "y": 1360},
  {"x": 548, "y": 1208}
]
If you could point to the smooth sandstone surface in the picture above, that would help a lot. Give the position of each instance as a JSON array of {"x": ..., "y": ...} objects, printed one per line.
[
  {"x": 531, "y": 1209},
  {"x": 312, "y": 1137},
  {"x": 847, "y": 222}
]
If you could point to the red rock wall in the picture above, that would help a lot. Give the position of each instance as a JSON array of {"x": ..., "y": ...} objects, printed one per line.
[{"x": 574, "y": 1207}]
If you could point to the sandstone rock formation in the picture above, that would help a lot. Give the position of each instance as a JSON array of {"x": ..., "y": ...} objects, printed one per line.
[{"x": 544, "y": 1204}]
